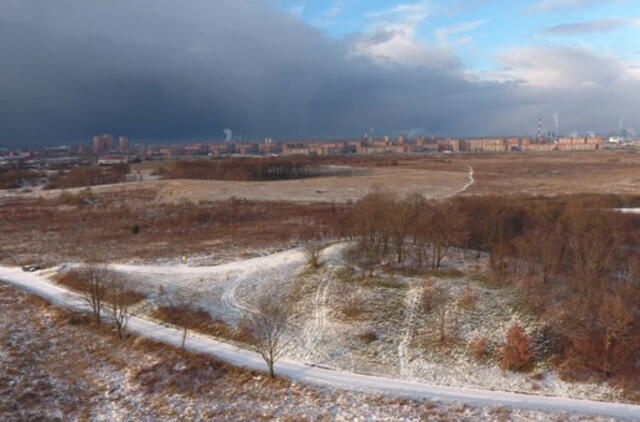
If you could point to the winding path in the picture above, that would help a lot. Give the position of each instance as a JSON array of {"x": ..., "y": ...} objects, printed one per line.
[
  {"x": 411, "y": 302},
  {"x": 465, "y": 187},
  {"x": 314, "y": 332},
  {"x": 38, "y": 284}
]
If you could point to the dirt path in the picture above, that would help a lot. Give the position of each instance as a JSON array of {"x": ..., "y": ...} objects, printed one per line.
[
  {"x": 316, "y": 328},
  {"x": 465, "y": 187},
  {"x": 411, "y": 303}
]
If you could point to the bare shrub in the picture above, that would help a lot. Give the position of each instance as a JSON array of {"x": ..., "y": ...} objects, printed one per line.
[
  {"x": 479, "y": 348},
  {"x": 312, "y": 252},
  {"x": 469, "y": 298},
  {"x": 517, "y": 351},
  {"x": 194, "y": 319},
  {"x": 88, "y": 176},
  {"x": 120, "y": 304},
  {"x": 353, "y": 306},
  {"x": 369, "y": 336},
  {"x": 94, "y": 283},
  {"x": 178, "y": 311},
  {"x": 437, "y": 301}
]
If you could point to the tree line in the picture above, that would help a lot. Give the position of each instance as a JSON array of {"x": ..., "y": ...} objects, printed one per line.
[
  {"x": 88, "y": 176},
  {"x": 246, "y": 169},
  {"x": 574, "y": 260}
]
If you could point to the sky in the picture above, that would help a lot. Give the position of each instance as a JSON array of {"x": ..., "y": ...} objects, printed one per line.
[{"x": 298, "y": 69}]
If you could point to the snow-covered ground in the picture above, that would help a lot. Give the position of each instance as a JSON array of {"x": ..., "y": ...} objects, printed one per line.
[
  {"x": 228, "y": 291},
  {"x": 58, "y": 367},
  {"x": 403, "y": 348},
  {"x": 629, "y": 210},
  {"x": 225, "y": 291}
]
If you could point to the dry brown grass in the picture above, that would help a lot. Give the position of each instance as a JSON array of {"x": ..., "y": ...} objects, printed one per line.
[
  {"x": 73, "y": 280},
  {"x": 53, "y": 231},
  {"x": 544, "y": 173},
  {"x": 200, "y": 321}
]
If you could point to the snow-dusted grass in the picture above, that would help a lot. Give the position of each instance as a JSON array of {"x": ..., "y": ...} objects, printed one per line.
[
  {"x": 335, "y": 311},
  {"x": 319, "y": 376},
  {"x": 332, "y": 308},
  {"x": 57, "y": 366}
]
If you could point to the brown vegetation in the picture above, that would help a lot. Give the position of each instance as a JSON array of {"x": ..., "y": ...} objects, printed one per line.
[
  {"x": 12, "y": 178},
  {"x": 573, "y": 259},
  {"x": 88, "y": 176},
  {"x": 104, "y": 293},
  {"x": 517, "y": 351},
  {"x": 245, "y": 169},
  {"x": 53, "y": 231},
  {"x": 480, "y": 348},
  {"x": 197, "y": 320}
]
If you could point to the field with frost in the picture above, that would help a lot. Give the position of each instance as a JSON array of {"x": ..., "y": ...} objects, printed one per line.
[
  {"x": 372, "y": 325},
  {"x": 57, "y": 366}
]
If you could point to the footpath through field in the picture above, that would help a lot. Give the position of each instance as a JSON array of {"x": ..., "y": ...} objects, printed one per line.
[{"x": 38, "y": 284}]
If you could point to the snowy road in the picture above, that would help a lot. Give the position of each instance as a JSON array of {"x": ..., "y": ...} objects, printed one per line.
[{"x": 38, "y": 284}]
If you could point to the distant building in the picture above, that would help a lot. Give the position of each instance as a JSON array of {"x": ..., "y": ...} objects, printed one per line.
[
  {"x": 123, "y": 144},
  {"x": 102, "y": 143},
  {"x": 112, "y": 160},
  {"x": 96, "y": 146}
]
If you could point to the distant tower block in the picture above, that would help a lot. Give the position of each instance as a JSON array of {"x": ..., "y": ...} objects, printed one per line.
[
  {"x": 539, "y": 127},
  {"x": 123, "y": 143},
  {"x": 97, "y": 145}
]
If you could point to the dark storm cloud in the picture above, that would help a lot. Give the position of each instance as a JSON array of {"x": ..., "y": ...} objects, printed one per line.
[{"x": 185, "y": 70}]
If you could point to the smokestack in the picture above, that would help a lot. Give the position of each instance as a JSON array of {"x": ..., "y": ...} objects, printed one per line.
[{"x": 228, "y": 135}]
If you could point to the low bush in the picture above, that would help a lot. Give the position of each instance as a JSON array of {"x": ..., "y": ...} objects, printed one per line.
[
  {"x": 88, "y": 176},
  {"x": 469, "y": 298},
  {"x": 369, "y": 336},
  {"x": 479, "y": 348},
  {"x": 195, "y": 319},
  {"x": 517, "y": 351}
]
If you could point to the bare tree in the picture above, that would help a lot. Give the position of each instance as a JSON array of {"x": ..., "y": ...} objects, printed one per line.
[
  {"x": 268, "y": 325},
  {"x": 96, "y": 285},
  {"x": 181, "y": 300},
  {"x": 369, "y": 258},
  {"x": 436, "y": 300},
  {"x": 120, "y": 304}
]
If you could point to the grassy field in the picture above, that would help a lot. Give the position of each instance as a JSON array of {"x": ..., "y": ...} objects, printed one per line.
[
  {"x": 544, "y": 173},
  {"x": 432, "y": 184}
]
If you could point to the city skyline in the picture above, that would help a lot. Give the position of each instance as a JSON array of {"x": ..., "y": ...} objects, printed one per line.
[{"x": 292, "y": 69}]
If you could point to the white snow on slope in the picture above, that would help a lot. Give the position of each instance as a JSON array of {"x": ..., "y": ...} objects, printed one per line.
[
  {"x": 219, "y": 285},
  {"x": 38, "y": 284}
]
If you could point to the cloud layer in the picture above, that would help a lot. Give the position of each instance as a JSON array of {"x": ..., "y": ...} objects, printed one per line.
[
  {"x": 587, "y": 27},
  {"x": 187, "y": 70}
]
